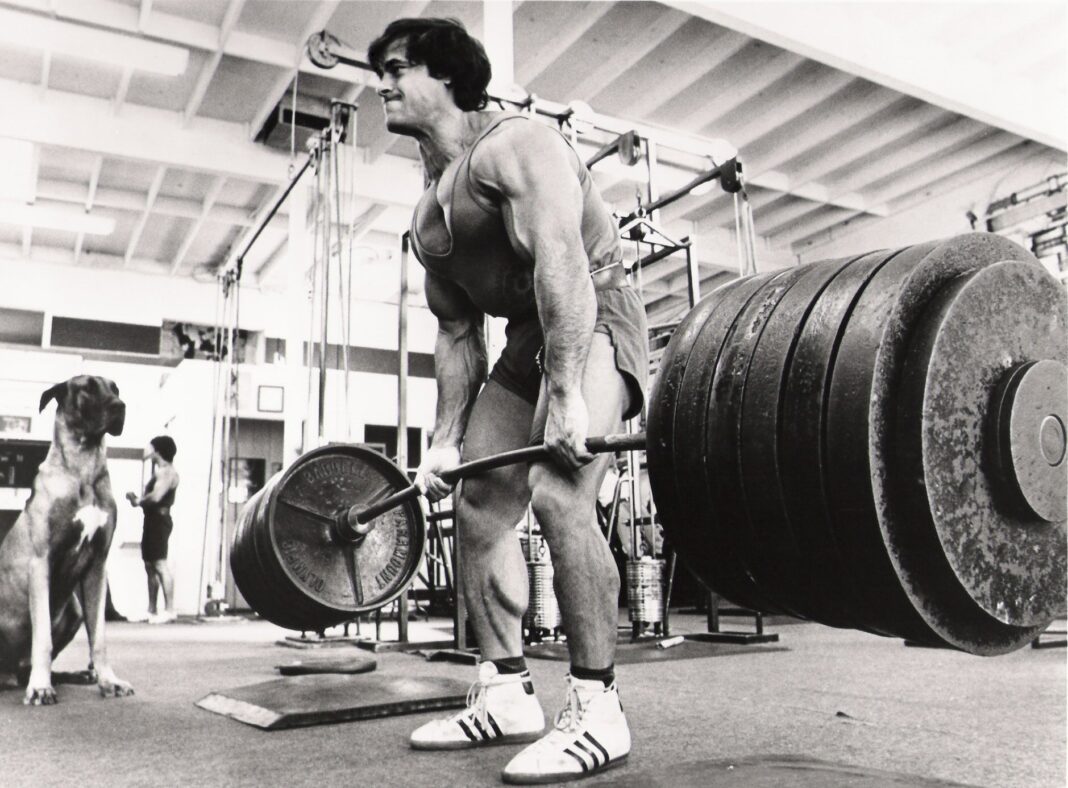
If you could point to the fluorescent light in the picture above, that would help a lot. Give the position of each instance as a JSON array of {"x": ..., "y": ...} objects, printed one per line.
[
  {"x": 38, "y": 32},
  {"x": 16, "y": 163},
  {"x": 55, "y": 218}
]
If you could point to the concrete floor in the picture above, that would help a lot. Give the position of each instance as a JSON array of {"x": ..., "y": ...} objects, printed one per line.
[{"x": 838, "y": 696}]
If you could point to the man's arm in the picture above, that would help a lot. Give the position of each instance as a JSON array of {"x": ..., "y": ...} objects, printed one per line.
[
  {"x": 460, "y": 369},
  {"x": 533, "y": 171},
  {"x": 459, "y": 358}
]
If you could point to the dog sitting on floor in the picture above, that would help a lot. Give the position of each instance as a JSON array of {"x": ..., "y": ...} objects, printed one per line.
[{"x": 52, "y": 560}]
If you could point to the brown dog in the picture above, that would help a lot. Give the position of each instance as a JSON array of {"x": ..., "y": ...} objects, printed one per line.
[{"x": 52, "y": 560}]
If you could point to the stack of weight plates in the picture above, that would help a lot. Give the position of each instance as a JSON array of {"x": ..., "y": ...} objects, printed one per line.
[{"x": 875, "y": 442}]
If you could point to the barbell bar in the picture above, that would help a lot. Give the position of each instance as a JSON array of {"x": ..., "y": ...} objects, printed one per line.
[{"x": 353, "y": 523}]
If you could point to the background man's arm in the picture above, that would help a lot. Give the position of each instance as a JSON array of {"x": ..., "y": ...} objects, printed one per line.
[
  {"x": 533, "y": 172},
  {"x": 163, "y": 484}
]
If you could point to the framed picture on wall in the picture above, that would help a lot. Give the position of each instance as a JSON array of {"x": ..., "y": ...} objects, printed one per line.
[{"x": 270, "y": 399}]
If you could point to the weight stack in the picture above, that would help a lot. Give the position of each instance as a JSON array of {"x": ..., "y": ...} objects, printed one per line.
[
  {"x": 543, "y": 612},
  {"x": 875, "y": 442},
  {"x": 645, "y": 590}
]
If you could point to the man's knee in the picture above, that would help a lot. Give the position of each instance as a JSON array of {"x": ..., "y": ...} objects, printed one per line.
[
  {"x": 555, "y": 502},
  {"x": 491, "y": 496}
]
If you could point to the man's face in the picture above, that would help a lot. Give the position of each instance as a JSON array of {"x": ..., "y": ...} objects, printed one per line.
[{"x": 410, "y": 97}]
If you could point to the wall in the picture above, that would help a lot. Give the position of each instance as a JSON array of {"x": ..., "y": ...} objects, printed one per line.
[{"x": 179, "y": 400}]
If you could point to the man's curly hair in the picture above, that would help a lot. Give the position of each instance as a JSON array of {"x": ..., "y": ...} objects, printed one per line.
[{"x": 446, "y": 49}]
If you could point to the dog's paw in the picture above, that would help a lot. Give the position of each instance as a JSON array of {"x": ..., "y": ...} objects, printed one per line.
[
  {"x": 40, "y": 696},
  {"x": 115, "y": 688}
]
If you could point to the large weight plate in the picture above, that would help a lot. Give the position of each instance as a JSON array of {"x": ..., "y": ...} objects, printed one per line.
[
  {"x": 802, "y": 444},
  {"x": 723, "y": 442},
  {"x": 774, "y": 533},
  {"x": 302, "y": 575},
  {"x": 660, "y": 427},
  {"x": 1011, "y": 313},
  {"x": 868, "y": 403},
  {"x": 712, "y": 557}
]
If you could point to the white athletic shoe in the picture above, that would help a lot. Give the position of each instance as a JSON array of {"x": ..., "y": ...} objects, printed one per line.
[
  {"x": 501, "y": 709},
  {"x": 590, "y": 735}
]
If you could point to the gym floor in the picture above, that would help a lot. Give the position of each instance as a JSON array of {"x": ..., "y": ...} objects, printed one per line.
[{"x": 929, "y": 717}]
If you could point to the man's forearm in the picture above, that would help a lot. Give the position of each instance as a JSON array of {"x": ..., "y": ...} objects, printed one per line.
[
  {"x": 567, "y": 308},
  {"x": 460, "y": 368}
]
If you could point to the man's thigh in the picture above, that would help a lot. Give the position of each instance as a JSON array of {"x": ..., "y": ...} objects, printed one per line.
[
  {"x": 603, "y": 388},
  {"x": 500, "y": 421},
  {"x": 606, "y": 394}
]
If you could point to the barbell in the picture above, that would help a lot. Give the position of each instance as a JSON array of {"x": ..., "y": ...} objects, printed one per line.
[{"x": 875, "y": 443}]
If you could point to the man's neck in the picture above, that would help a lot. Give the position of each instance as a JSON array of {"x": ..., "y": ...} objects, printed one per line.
[{"x": 448, "y": 139}]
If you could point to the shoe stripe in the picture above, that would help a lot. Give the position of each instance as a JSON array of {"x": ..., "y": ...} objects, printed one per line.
[
  {"x": 578, "y": 743},
  {"x": 582, "y": 762},
  {"x": 481, "y": 730},
  {"x": 493, "y": 724},
  {"x": 597, "y": 744},
  {"x": 467, "y": 730}
]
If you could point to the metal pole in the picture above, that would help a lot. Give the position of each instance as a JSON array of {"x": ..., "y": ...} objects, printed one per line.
[
  {"x": 402, "y": 403},
  {"x": 693, "y": 276},
  {"x": 325, "y": 301}
]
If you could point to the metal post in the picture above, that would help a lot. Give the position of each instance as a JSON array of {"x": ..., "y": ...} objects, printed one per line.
[
  {"x": 693, "y": 275},
  {"x": 402, "y": 404},
  {"x": 325, "y": 299}
]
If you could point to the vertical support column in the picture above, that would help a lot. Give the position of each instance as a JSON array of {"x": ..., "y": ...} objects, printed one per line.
[
  {"x": 497, "y": 37},
  {"x": 402, "y": 404},
  {"x": 693, "y": 274},
  {"x": 298, "y": 249}
]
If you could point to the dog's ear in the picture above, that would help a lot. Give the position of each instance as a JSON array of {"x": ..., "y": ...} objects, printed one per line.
[{"x": 58, "y": 393}]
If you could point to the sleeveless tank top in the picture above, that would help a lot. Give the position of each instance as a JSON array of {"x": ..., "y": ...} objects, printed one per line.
[
  {"x": 478, "y": 255},
  {"x": 166, "y": 502}
]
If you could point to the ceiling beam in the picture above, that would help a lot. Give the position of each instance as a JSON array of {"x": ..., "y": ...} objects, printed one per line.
[
  {"x": 653, "y": 26},
  {"x": 124, "y": 86},
  {"x": 1002, "y": 162},
  {"x": 139, "y": 228},
  {"x": 94, "y": 180},
  {"x": 318, "y": 20},
  {"x": 757, "y": 67},
  {"x": 187, "y": 243},
  {"x": 63, "y": 255},
  {"x": 142, "y": 133},
  {"x": 704, "y": 53},
  {"x": 182, "y": 31},
  {"x": 929, "y": 172},
  {"x": 207, "y": 71},
  {"x": 35, "y": 169},
  {"x": 867, "y": 138},
  {"x": 808, "y": 85},
  {"x": 863, "y": 41},
  {"x": 911, "y": 151},
  {"x": 134, "y": 202},
  {"x": 46, "y": 71},
  {"x": 573, "y": 21}
]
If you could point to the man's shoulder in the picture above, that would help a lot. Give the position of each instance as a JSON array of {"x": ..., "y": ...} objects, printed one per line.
[
  {"x": 519, "y": 130},
  {"x": 520, "y": 143}
]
